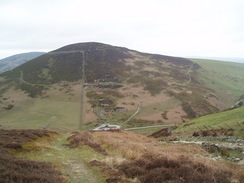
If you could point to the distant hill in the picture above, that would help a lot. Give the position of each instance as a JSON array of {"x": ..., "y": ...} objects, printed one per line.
[
  {"x": 225, "y": 59},
  {"x": 11, "y": 62},
  {"x": 120, "y": 85}
]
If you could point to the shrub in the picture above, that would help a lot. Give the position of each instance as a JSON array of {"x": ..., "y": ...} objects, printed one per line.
[
  {"x": 85, "y": 138},
  {"x": 151, "y": 169},
  {"x": 18, "y": 170},
  {"x": 195, "y": 134},
  {"x": 188, "y": 109},
  {"x": 9, "y": 107}
]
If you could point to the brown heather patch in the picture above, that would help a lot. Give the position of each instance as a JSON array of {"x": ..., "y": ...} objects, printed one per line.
[
  {"x": 132, "y": 146},
  {"x": 19, "y": 139},
  {"x": 85, "y": 138},
  {"x": 112, "y": 175},
  {"x": 215, "y": 132},
  {"x": 142, "y": 159},
  {"x": 15, "y": 170},
  {"x": 151, "y": 169},
  {"x": 129, "y": 92}
]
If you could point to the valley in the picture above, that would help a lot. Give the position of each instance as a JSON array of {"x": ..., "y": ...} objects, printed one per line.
[{"x": 177, "y": 115}]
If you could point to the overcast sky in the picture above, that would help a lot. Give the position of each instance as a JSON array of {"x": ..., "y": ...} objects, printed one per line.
[{"x": 208, "y": 28}]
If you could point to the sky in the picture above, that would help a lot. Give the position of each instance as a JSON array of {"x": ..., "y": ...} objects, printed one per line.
[{"x": 187, "y": 28}]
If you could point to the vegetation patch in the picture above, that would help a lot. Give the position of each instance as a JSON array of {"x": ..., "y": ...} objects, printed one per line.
[
  {"x": 85, "y": 138},
  {"x": 214, "y": 132},
  {"x": 32, "y": 90},
  {"x": 155, "y": 86},
  {"x": 188, "y": 109},
  {"x": 9, "y": 107},
  {"x": 194, "y": 104},
  {"x": 164, "y": 115},
  {"x": 151, "y": 168},
  {"x": 230, "y": 122},
  {"x": 15, "y": 139},
  {"x": 161, "y": 133},
  {"x": 136, "y": 158},
  {"x": 142, "y": 122},
  {"x": 20, "y": 170},
  {"x": 112, "y": 175},
  {"x": 17, "y": 170}
]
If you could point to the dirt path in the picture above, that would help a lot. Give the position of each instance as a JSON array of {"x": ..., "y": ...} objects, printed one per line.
[
  {"x": 70, "y": 161},
  {"x": 138, "y": 110}
]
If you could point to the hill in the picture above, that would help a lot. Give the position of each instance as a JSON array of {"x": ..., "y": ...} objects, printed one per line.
[
  {"x": 91, "y": 83},
  {"x": 11, "y": 62},
  {"x": 225, "y": 59}
]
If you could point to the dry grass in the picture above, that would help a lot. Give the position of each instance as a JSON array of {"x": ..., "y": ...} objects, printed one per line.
[
  {"x": 85, "y": 138},
  {"x": 132, "y": 146},
  {"x": 136, "y": 157},
  {"x": 112, "y": 175}
]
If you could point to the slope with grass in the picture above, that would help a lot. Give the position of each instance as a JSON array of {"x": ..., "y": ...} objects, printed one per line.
[
  {"x": 226, "y": 79},
  {"x": 41, "y": 156},
  {"x": 73, "y": 163},
  {"x": 222, "y": 121},
  {"x": 130, "y": 157}
]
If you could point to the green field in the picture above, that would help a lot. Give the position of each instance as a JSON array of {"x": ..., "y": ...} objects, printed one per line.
[
  {"x": 40, "y": 113},
  {"x": 232, "y": 118},
  {"x": 225, "y": 78}
]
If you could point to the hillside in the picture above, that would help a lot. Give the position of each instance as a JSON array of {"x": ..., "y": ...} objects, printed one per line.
[
  {"x": 11, "y": 62},
  {"x": 230, "y": 120},
  {"x": 86, "y": 84},
  {"x": 99, "y": 157},
  {"x": 225, "y": 78}
]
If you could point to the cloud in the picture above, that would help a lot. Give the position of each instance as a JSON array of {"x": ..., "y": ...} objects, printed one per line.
[{"x": 174, "y": 27}]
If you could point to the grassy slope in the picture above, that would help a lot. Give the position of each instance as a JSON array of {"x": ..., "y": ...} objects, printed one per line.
[
  {"x": 226, "y": 78},
  {"x": 41, "y": 112},
  {"x": 72, "y": 162},
  {"x": 130, "y": 159},
  {"x": 218, "y": 120}
]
